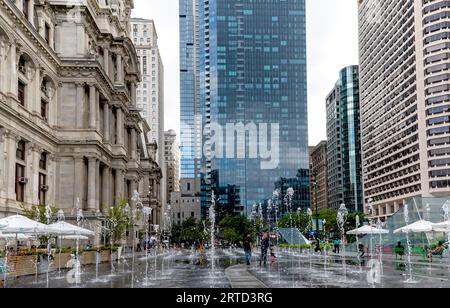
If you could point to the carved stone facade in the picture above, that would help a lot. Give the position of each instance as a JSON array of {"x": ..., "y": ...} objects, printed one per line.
[{"x": 69, "y": 126}]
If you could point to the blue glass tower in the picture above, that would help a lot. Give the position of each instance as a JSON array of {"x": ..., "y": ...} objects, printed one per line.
[
  {"x": 250, "y": 57},
  {"x": 189, "y": 91}
]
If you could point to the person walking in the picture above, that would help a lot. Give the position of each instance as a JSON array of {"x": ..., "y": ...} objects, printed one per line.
[
  {"x": 248, "y": 249},
  {"x": 264, "y": 248},
  {"x": 337, "y": 246}
]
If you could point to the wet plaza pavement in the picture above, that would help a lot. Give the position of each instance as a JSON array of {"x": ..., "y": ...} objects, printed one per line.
[{"x": 179, "y": 269}]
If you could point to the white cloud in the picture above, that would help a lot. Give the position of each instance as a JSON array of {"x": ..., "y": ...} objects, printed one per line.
[{"x": 332, "y": 30}]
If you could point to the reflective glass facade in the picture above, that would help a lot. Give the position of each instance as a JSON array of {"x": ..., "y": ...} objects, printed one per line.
[
  {"x": 344, "y": 142},
  {"x": 189, "y": 90},
  {"x": 253, "y": 97}
]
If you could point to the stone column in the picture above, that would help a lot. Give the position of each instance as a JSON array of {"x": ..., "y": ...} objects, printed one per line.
[
  {"x": 31, "y": 12},
  {"x": 119, "y": 127},
  {"x": 79, "y": 177},
  {"x": 92, "y": 185},
  {"x": 119, "y": 69},
  {"x": 97, "y": 110},
  {"x": 133, "y": 148},
  {"x": 13, "y": 70},
  {"x": 2, "y": 162},
  {"x": 133, "y": 188},
  {"x": 119, "y": 185},
  {"x": 33, "y": 189},
  {"x": 92, "y": 107},
  {"x": 106, "y": 175},
  {"x": 133, "y": 94},
  {"x": 51, "y": 179},
  {"x": 10, "y": 153},
  {"x": 80, "y": 112},
  {"x": 52, "y": 38},
  {"x": 106, "y": 60},
  {"x": 34, "y": 101},
  {"x": 2, "y": 67},
  {"x": 106, "y": 131},
  {"x": 98, "y": 188}
]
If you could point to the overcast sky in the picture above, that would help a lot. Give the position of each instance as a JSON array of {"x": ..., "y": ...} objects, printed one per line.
[{"x": 332, "y": 27}]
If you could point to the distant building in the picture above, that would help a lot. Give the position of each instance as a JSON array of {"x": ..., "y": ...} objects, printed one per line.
[
  {"x": 171, "y": 154},
  {"x": 301, "y": 187},
  {"x": 186, "y": 202},
  {"x": 150, "y": 91},
  {"x": 319, "y": 176},
  {"x": 344, "y": 142}
]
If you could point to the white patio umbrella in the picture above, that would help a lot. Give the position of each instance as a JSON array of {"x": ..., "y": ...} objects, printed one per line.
[
  {"x": 367, "y": 230},
  {"x": 2, "y": 225},
  {"x": 64, "y": 229},
  {"x": 442, "y": 227},
  {"x": 421, "y": 226},
  {"x": 22, "y": 225},
  {"x": 19, "y": 237}
]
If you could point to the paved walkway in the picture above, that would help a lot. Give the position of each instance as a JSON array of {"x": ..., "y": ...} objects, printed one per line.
[{"x": 240, "y": 278}]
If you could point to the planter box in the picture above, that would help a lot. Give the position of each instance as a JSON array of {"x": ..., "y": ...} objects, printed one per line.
[
  {"x": 105, "y": 256},
  {"x": 62, "y": 260},
  {"x": 22, "y": 266},
  {"x": 88, "y": 258},
  {"x": 26, "y": 265}
]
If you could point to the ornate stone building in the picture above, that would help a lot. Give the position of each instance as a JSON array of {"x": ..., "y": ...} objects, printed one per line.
[{"x": 69, "y": 126}]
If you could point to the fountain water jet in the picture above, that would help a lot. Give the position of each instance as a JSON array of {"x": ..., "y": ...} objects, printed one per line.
[
  {"x": 408, "y": 242},
  {"x": 147, "y": 211},
  {"x": 212, "y": 219},
  {"x": 341, "y": 221}
]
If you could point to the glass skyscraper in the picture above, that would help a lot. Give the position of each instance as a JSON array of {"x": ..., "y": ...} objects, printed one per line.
[
  {"x": 189, "y": 91},
  {"x": 344, "y": 142},
  {"x": 243, "y": 77}
]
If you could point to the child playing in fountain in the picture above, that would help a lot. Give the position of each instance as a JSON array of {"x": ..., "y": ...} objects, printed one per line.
[{"x": 273, "y": 258}]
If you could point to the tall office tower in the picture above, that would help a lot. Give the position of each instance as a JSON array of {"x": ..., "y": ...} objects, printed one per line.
[
  {"x": 172, "y": 159},
  {"x": 150, "y": 91},
  {"x": 344, "y": 142},
  {"x": 190, "y": 116},
  {"x": 319, "y": 176},
  {"x": 405, "y": 95},
  {"x": 249, "y": 60}
]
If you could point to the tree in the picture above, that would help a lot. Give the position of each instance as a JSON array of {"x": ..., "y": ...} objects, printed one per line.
[
  {"x": 118, "y": 222},
  {"x": 299, "y": 220},
  {"x": 189, "y": 231},
  {"x": 234, "y": 228},
  {"x": 331, "y": 226},
  {"x": 31, "y": 213}
]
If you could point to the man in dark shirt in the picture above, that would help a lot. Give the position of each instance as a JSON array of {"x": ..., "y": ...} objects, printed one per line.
[{"x": 248, "y": 248}]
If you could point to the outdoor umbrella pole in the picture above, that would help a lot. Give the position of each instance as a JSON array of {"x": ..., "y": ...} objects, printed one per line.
[{"x": 59, "y": 256}]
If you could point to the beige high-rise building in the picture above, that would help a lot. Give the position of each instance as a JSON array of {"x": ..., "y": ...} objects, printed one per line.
[
  {"x": 70, "y": 133},
  {"x": 172, "y": 160},
  {"x": 185, "y": 203},
  {"x": 150, "y": 91},
  {"x": 319, "y": 176},
  {"x": 405, "y": 97}
]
